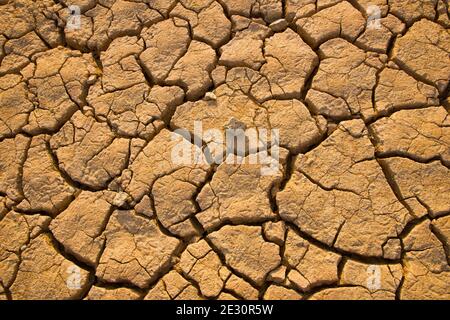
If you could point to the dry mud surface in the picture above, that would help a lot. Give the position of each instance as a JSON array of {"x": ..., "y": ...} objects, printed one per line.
[{"x": 92, "y": 205}]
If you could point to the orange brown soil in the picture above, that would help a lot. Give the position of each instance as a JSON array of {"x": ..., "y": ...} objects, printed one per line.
[{"x": 92, "y": 205}]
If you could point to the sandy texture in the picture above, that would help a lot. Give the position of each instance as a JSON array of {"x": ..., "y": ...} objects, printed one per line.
[{"x": 95, "y": 204}]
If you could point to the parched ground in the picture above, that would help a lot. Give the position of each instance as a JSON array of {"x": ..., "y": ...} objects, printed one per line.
[{"x": 92, "y": 205}]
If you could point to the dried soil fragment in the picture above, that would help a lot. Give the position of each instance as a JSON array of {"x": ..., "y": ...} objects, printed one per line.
[
  {"x": 246, "y": 251},
  {"x": 42, "y": 264},
  {"x": 136, "y": 250},
  {"x": 339, "y": 194},
  {"x": 424, "y": 51}
]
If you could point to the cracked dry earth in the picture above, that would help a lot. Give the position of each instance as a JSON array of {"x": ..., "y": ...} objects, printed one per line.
[{"x": 88, "y": 191}]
